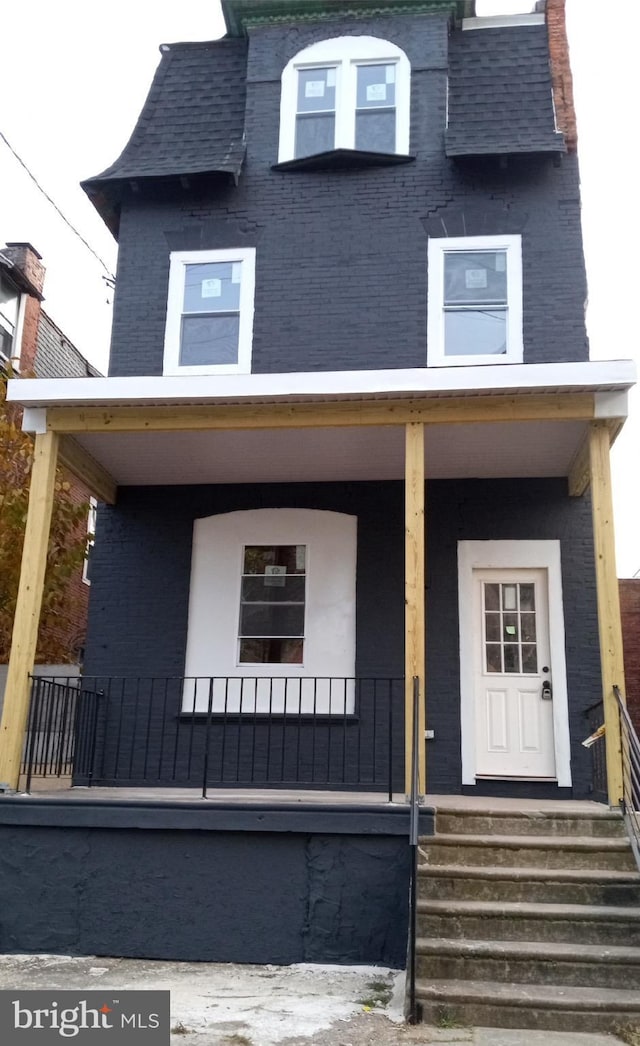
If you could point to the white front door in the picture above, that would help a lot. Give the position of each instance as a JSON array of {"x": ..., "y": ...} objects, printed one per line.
[{"x": 513, "y": 685}]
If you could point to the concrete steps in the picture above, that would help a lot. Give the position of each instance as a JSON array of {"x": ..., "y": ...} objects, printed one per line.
[{"x": 529, "y": 919}]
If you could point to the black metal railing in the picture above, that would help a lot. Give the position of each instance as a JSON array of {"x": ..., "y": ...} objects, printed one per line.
[
  {"x": 630, "y": 774},
  {"x": 237, "y": 731},
  {"x": 594, "y": 715},
  {"x": 61, "y": 729},
  {"x": 413, "y": 1015}
]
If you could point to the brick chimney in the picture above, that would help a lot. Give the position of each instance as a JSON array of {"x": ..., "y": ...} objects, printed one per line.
[
  {"x": 561, "y": 73},
  {"x": 28, "y": 272}
]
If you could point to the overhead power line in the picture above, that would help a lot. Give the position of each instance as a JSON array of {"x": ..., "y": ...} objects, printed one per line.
[{"x": 110, "y": 278}]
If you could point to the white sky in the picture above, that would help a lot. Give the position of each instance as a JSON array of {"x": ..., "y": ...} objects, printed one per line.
[{"x": 74, "y": 78}]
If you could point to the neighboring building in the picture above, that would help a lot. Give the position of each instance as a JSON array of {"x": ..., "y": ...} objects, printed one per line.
[
  {"x": 350, "y": 448},
  {"x": 35, "y": 345},
  {"x": 630, "y": 610}
]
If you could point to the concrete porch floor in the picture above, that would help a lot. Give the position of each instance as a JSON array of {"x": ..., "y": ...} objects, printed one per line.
[{"x": 57, "y": 789}]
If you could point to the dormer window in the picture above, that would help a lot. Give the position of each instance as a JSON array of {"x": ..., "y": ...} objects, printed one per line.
[
  {"x": 351, "y": 92},
  {"x": 9, "y": 312}
]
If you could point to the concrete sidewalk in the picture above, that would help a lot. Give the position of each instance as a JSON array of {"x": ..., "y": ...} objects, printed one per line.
[{"x": 302, "y": 1005}]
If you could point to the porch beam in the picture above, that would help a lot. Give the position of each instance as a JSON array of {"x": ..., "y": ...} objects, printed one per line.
[
  {"x": 611, "y": 653},
  {"x": 580, "y": 470},
  {"x": 414, "y": 587},
  {"x": 342, "y": 413},
  {"x": 27, "y": 617},
  {"x": 76, "y": 460}
]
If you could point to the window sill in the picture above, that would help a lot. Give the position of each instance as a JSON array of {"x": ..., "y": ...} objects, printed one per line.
[{"x": 336, "y": 159}]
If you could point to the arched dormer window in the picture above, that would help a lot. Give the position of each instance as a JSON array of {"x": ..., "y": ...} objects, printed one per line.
[{"x": 351, "y": 92}]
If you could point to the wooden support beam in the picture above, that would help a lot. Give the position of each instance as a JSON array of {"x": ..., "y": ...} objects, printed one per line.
[
  {"x": 80, "y": 464},
  {"x": 611, "y": 654},
  {"x": 27, "y": 617},
  {"x": 580, "y": 469},
  {"x": 414, "y": 587},
  {"x": 342, "y": 413}
]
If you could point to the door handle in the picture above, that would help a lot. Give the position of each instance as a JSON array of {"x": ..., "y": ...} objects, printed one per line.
[{"x": 547, "y": 692}]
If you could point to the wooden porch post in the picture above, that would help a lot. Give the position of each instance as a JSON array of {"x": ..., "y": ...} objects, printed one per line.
[
  {"x": 414, "y": 595},
  {"x": 609, "y": 625},
  {"x": 27, "y": 616}
]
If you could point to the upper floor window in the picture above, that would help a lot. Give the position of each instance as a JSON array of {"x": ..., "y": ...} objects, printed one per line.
[
  {"x": 351, "y": 92},
  {"x": 9, "y": 311},
  {"x": 475, "y": 301},
  {"x": 210, "y": 312}
]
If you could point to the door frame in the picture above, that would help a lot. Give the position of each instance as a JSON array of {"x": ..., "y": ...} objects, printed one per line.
[{"x": 512, "y": 555}]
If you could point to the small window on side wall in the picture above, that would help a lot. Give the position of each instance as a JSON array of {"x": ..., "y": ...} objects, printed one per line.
[
  {"x": 474, "y": 301},
  {"x": 210, "y": 312},
  {"x": 351, "y": 92}
]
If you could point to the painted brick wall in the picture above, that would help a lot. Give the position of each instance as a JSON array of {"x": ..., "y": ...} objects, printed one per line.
[
  {"x": 630, "y": 611},
  {"x": 141, "y": 567},
  {"x": 341, "y": 278},
  {"x": 561, "y": 72}
]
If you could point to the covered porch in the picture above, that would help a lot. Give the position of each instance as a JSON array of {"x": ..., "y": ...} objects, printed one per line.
[{"x": 530, "y": 424}]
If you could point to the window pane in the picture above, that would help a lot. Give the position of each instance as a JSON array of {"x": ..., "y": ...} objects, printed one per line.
[
  {"x": 529, "y": 659},
  {"x": 263, "y": 590},
  {"x": 494, "y": 657},
  {"x": 475, "y": 277},
  {"x": 271, "y": 619},
  {"x": 511, "y": 658},
  {"x": 492, "y": 628},
  {"x": 258, "y": 557},
  {"x": 208, "y": 340},
  {"x": 314, "y": 134},
  {"x": 271, "y": 651},
  {"x": 214, "y": 287},
  {"x": 528, "y": 622},
  {"x": 492, "y": 597},
  {"x": 510, "y": 628},
  {"x": 527, "y": 597},
  {"x": 376, "y": 86},
  {"x": 316, "y": 90},
  {"x": 475, "y": 333},
  {"x": 376, "y": 130}
]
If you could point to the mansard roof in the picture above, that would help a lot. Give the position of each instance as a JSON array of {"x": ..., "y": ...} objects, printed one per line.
[
  {"x": 192, "y": 122},
  {"x": 500, "y": 95}
]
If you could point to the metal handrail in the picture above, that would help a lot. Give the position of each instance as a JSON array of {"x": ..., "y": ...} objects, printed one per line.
[
  {"x": 414, "y": 818},
  {"x": 630, "y": 744}
]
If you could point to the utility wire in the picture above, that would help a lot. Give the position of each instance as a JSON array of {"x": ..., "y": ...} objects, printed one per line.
[{"x": 110, "y": 278}]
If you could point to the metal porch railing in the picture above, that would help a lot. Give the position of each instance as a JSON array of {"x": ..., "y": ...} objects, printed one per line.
[
  {"x": 321, "y": 732},
  {"x": 630, "y": 774}
]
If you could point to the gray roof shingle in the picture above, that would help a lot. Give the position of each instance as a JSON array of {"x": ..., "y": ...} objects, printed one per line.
[
  {"x": 191, "y": 123},
  {"x": 500, "y": 95}
]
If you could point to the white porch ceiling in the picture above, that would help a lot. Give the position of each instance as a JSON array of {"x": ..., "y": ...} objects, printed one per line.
[{"x": 498, "y": 450}]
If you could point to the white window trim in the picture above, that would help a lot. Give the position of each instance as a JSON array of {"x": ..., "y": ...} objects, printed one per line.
[
  {"x": 91, "y": 538},
  {"x": 438, "y": 247},
  {"x": 512, "y": 555},
  {"x": 177, "y": 267},
  {"x": 330, "y": 613},
  {"x": 345, "y": 54}
]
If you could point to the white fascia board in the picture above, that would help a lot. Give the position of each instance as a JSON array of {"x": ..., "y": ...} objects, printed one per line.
[
  {"x": 605, "y": 375},
  {"x": 503, "y": 21}
]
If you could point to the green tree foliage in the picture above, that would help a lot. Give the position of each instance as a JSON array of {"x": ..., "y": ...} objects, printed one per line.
[{"x": 67, "y": 540}]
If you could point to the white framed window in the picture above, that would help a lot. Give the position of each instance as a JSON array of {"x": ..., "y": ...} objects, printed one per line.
[
  {"x": 272, "y": 605},
  {"x": 351, "y": 92},
  {"x": 474, "y": 301},
  {"x": 9, "y": 320},
  {"x": 209, "y": 326}
]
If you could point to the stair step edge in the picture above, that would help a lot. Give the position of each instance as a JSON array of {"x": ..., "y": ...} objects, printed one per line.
[
  {"x": 545, "y": 951},
  {"x": 606, "y": 876},
  {"x": 526, "y": 996},
  {"x": 531, "y": 842},
  {"x": 532, "y": 910}
]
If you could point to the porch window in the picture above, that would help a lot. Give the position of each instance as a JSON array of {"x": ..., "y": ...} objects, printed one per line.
[
  {"x": 475, "y": 301},
  {"x": 350, "y": 92},
  {"x": 210, "y": 312},
  {"x": 272, "y": 602}
]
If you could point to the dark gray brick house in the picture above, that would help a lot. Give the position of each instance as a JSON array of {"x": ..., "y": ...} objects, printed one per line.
[{"x": 350, "y": 271}]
